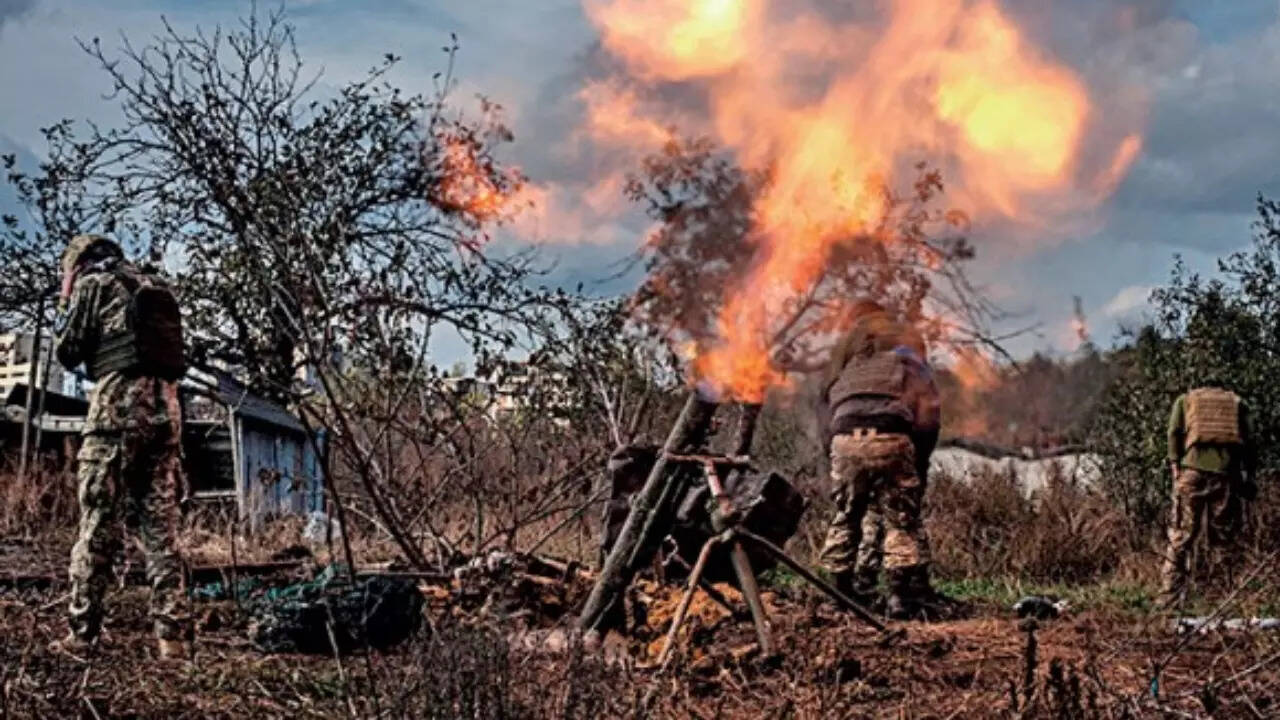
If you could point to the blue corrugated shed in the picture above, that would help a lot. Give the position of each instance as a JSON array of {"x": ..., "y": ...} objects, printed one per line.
[{"x": 277, "y": 463}]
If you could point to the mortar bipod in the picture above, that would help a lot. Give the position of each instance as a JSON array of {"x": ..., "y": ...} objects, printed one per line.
[{"x": 731, "y": 533}]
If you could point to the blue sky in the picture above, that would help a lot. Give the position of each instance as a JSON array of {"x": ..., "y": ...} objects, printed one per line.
[{"x": 1212, "y": 68}]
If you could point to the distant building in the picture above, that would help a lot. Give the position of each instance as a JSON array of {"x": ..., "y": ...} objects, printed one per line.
[
  {"x": 16, "y": 355},
  {"x": 504, "y": 393}
]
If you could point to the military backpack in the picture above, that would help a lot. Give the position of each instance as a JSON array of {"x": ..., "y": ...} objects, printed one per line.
[
  {"x": 1213, "y": 417},
  {"x": 151, "y": 343}
]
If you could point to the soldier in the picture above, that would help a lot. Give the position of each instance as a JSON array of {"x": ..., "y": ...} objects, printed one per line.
[
  {"x": 878, "y": 396},
  {"x": 1213, "y": 460},
  {"x": 124, "y": 326},
  {"x": 924, "y": 438}
]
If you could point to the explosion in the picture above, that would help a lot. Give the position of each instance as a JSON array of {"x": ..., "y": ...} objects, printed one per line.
[{"x": 836, "y": 110}]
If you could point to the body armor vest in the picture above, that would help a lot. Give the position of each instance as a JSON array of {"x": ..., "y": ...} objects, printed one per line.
[
  {"x": 1213, "y": 417},
  {"x": 151, "y": 344},
  {"x": 873, "y": 387}
]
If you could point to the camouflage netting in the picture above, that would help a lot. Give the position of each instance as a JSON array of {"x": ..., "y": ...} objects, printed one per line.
[{"x": 318, "y": 616}]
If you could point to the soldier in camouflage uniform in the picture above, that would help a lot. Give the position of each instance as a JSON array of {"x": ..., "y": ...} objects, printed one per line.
[
  {"x": 1213, "y": 460},
  {"x": 130, "y": 462},
  {"x": 875, "y": 330},
  {"x": 878, "y": 392}
]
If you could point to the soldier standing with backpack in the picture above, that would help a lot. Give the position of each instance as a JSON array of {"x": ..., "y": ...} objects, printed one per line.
[
  {"x": 1213, "y": 463},
  {"x": 124, "y": 326}
]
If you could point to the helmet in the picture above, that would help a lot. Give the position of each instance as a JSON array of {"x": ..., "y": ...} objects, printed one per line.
[{"x": 80, "y": 246}]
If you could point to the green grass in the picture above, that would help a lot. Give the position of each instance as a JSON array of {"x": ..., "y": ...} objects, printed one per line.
[
  {"x": 782, "y": 579},
  {"x": 1106, "y": 595},
  {"x": 1004, "y": 592}
]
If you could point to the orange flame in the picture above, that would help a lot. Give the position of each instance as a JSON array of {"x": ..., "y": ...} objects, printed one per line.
[
  {"x": 466, "y": 186},
  {"x": 677, "y": 39},
  {"x": 955, "y": 81}
]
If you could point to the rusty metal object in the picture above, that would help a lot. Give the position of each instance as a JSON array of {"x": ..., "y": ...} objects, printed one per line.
[
  {"x": 737, "y": 463},
  {"x": 695, "y": 578},
  {"x": 732, "y": 533}
]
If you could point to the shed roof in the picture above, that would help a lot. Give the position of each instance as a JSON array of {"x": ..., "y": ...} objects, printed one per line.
[{"x": 233, "y": 393}]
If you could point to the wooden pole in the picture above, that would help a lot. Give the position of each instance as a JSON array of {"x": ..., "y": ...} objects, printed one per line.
[
  {"x": 44, "y": 393},
  {"x": 31, "y": 383}
]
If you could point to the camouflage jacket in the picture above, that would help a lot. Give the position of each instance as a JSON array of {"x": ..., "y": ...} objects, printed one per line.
[
  {"x": 98, "y": 304},
  {"x": 871, "y": 333}
]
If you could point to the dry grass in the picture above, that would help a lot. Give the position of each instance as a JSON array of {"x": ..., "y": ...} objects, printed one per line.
[
  {"x": 987, "y": 527},
  {"x": 28, "y": 506},
  {"x": 1098, "y": 664}
]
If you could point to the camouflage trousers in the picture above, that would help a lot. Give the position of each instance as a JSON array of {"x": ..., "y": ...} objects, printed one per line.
[
  {"x": 1200, "y": 498},
  {"x": 131, "y": 478},
  {"x": 869, "y": 560},
  {"x": 875, "y": 484}
]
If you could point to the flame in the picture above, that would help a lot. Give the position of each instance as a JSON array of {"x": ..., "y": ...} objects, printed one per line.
[
  {"x": 1109, "y": 180},
  {"x": 974, "y": 369},
  {"x": 468, "y": 187},
  {"x": 953, "y": 81},
  {"x": 677, "y": 39}
]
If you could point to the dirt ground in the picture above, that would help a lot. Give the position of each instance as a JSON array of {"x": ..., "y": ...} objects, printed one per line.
[{"x": 466, "y": 664}]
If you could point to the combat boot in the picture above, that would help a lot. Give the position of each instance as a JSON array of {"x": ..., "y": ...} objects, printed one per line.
[
  {"x": 856, "y": 589},
  {"x": 911, "y": 597}
]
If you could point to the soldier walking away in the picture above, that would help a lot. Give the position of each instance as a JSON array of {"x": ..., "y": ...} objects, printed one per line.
[
  {"x": 124, "y": 326},
  {"x": 879, "y": 395},
  {"x": 1212, "y": 459}
]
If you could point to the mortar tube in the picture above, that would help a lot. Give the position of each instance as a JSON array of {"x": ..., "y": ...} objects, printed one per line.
[
  {"x": 748, "y": 418},
  {"x": 689, "y": 431}
]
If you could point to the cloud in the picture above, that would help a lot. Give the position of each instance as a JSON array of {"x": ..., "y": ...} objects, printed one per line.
[
  {"x": 13, "y": 9},
  {"x": 1198, "y": 75}
]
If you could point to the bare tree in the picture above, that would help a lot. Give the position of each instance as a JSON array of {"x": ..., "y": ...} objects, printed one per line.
[{"x": 322, "y": 240}]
